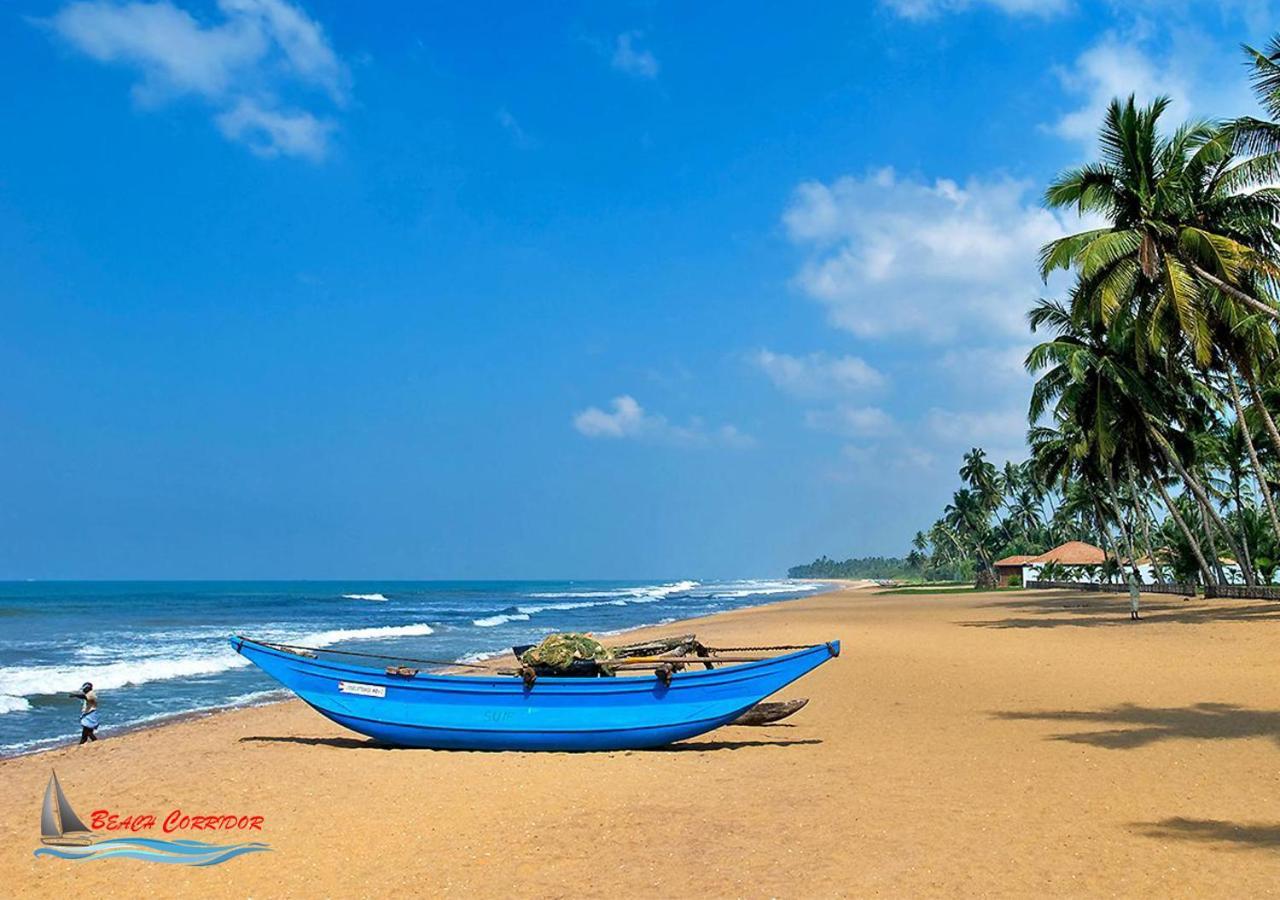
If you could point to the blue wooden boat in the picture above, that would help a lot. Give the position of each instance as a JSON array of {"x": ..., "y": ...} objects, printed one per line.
[{"x": 408, "y": 708}]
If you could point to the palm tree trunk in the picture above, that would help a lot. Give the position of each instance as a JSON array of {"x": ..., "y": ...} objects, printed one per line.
[
  {"x": 1144, "y": 521},
  {"x": 1125, "y": 533},
  {"x": 1255, "y": 393},
  {"x": 1244, "y": 535},
  {"x": 1198, "y": 490},
  {"x": 1253, "y": 455},
  {"x": 1104, "y": 530},
  {"x": 1234, "y": 292},
  {"x": 1213, "y": 542},
  {"x": 1186, "y": 532}
]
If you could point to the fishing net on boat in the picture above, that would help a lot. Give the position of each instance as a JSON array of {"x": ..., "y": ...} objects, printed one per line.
[{"x": 562, "y": 652}]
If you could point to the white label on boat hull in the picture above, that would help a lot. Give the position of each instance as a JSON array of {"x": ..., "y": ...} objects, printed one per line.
[{"x": 364, "y": 690}]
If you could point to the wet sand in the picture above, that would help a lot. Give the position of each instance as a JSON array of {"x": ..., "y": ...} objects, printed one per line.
[{"x": 994, "y": 744}]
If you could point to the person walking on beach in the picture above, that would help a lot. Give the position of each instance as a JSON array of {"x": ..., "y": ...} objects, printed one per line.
[{"x": 88, "y": 712}]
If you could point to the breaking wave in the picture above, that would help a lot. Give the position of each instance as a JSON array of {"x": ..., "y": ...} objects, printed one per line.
[
  {"x": 501, "y": 619},
  {"x": 18, "y": 682},
  {"x": 628, "y": 594},
  {"x": 10, "y": 703},
  {"x": 377, "y": 597},
  {"x": 338, "y": 635}
]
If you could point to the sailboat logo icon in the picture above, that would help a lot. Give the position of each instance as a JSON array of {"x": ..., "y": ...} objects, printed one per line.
[
  {"x": 59, "y": 824},
  {"x": 65, "y": 836}
]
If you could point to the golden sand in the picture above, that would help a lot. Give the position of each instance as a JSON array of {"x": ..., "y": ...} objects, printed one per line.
[{"x": 996, "y": 744}]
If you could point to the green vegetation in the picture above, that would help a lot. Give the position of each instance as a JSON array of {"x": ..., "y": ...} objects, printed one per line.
[
  {"x": 1152, "y": 417},
  {"x": 931, "y": 588},
  {"x": 998, "y": 513},
  {"x": 875, "y": 567},
  {"x": 1158, "y": 377}
]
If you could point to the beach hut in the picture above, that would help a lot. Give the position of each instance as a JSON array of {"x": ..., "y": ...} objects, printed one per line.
[
  {"x": 1072, "y": 553},
  {"x": 1009, "y": 568}
]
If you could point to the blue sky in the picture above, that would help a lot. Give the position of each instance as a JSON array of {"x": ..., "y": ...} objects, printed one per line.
[{"x": 533, "y": 290}]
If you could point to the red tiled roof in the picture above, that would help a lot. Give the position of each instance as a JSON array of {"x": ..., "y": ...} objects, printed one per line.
[
  {"x": 1013, "y": 560},
  {"x": 1074, "y": 553}
]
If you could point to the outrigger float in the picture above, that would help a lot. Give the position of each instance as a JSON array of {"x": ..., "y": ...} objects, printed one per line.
[{"x": 517, "y": 709}]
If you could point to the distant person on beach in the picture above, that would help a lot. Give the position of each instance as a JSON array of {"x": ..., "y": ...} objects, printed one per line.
[{"x": 88, "y": 712}]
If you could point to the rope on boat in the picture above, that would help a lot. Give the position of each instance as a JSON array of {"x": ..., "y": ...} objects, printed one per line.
[
  {"x": 761, "y": 649},
  {"x": 640, "y": 660},
  {"x": 293, "y": 648}
]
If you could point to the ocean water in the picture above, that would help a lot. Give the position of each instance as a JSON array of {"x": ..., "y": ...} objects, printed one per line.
[{"x": 154, "y": 650}]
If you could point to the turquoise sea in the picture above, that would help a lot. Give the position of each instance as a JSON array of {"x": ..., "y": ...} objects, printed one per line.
[{"x": 159, "y": 649}]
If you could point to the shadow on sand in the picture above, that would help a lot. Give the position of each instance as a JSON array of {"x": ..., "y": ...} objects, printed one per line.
[
  {"x": 708, "y": 746},
  {"x": 342, "y": 743},
  {"x": 1137, "y": 726},
  {"x": 1059, "y": 609},
  {"x": 347, "y": 743},
  {"x": 1213, "y": 831}
]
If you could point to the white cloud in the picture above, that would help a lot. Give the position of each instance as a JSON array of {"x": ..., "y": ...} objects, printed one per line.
[
  {"x": 626, "y": 418},
  {"x": 239, "y": 65},
  {"x": 852, "y": 421},
  {"x": 1110, "y": 69},
  {"x": 868, "y": 464},
  {"x": 269, "y": 132},
  {"x": 888, "y": 255},
  {"x": 627, "y": 57},
  {"x": 818, "y": 374},
  {"x": 733, "y": 436},
  {"x": 985, "y": 427},
  {"x": 928, "y": 9},
  {"x": 301, "y": 40},
  {"x": 989, "y": 367},
  {"x": 1161, "y": 49},
  {"x": 512, "y": 127}
]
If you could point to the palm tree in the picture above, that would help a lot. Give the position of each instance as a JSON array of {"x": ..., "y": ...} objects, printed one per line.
[
  {"x": 1235, "y": 451},
  {"x": 1025, "y": 513},
  {"x": 1193, "y": 236},
  {"x": 1183, "y": 220},
  {"x": 967, "y": 517},
  {"x": 982, "y": 477},
  {"x": 920, "y": 542},
  {"x": 1109, "y": 415}
]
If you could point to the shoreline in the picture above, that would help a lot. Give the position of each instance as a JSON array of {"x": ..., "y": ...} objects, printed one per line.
[
  {"x": 1024, "y": 743},
  {"x": 170, "y": 719},
  {"x": 164, "y": 720}
]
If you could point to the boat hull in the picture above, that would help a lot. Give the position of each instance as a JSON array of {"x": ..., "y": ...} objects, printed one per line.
[{"x": 502, "y": 713}]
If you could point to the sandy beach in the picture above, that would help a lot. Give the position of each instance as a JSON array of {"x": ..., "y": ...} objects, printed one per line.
[{"x": 996, "y": 744}]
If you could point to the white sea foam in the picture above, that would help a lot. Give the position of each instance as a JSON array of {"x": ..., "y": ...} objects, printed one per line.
[
  {"x": 534, "y": 610},
  {"x": 642, "y": 594},
  {"x": 338, "y": 635},
  {"x": 491, "y": 621},
  {"x": 377, "y": 597},
  {"x": 662, "y": 591},
  {"x": 189, "y": 661},
  {"x": 26, "y": 681},
  {"x": 482, "y": 655},
  {"x": 762, "y": 588},
  {"x": 254, "y": 698},
  {"x": 553, "y": 595},
  {"x": 10, "y": 703}
]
